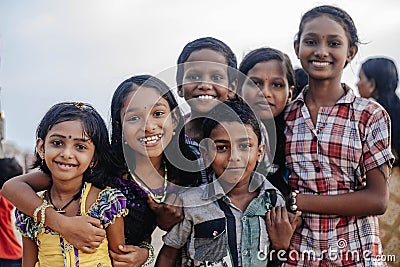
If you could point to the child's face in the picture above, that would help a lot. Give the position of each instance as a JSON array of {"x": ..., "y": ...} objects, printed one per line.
[
  {"x": 205, "y": 80},
  {"x": 323, "y": 48},
  {"x": 267, "y": 89},
  {"x": 67, "y": 150},
  {"x": 236, "y": 152},
  {"x": 147, "y": 123}
]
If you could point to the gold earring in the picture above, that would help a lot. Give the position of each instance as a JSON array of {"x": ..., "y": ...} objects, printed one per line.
[{"x": 91, "y": 167}]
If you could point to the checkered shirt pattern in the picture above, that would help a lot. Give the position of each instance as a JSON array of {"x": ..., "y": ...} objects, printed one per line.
[{"x": 349, "y": 139}]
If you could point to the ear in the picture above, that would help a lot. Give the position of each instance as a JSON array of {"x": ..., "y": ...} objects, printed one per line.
[
  {"x": 260, "y": 154},
  {"x": 180, "y": 91},
  {"x": 290, "y": 94},
  {"x": 174, "y": 117},
  {"x": 232, "y": 90},
  {"x": 372, "y": 88},
  {"x": 296, "y": 48},
  {"x": 40, "y": 147},
  {"x": 351, "y": 53}
]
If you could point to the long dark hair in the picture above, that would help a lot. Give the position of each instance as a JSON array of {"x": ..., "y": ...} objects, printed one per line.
[
  {"x": 176, "y": 147},
  {"x": 384, "y": 72},
  {"x": 94, "y": 127},
  {"x": 249, "y": 61}
]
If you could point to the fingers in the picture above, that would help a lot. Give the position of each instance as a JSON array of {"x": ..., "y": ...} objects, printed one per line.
[
  {"x": 154, "y": 206},
  {"x": 88, "y": 250},
  {"x": 95, "y": 222},
  {"x": 296, "y": 219},
  {"x": 127, "y": 248}
]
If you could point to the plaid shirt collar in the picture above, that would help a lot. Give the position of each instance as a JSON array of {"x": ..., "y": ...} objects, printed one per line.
[{"x": 348, "y": 98}]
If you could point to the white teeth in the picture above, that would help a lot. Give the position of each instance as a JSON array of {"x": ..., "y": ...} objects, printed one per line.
[
  {"x": 206, "y": 97},
  {"x": 65, "y": 165},
  {"x": 320, "y": 64},
  {"x": 150, "y": 139}
]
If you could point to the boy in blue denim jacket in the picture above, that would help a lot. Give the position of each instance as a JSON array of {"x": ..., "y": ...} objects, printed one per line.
[{"x": 224, "y": 222}]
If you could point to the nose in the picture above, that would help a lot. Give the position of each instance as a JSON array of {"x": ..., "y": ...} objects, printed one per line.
[
  {"x": 205, "y": 85},
  {"x": 266, "y": 91},
  {"x": 150, "y": 124},
  {"x": 66, "y": 153},
  {"x": 321, "y": 51},
  {"x": 235, "y": 154}
]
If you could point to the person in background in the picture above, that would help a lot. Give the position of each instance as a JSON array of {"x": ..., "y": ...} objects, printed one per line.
[
  {"x": 378, "y": 79},
  {"x": 301, "y": 81},
  {"x": 266, "y": 85},
  {"x": 10, "y": 248}
]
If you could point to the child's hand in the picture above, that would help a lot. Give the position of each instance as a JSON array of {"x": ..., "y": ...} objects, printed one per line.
[
  {"x": 133, "y": 256},
  {"x": 280, "y": 229},
  {"x": 167, "y": 214},
  {"x": 83, "y": 232}
]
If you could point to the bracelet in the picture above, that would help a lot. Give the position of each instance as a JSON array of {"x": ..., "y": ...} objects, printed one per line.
[
  {"x": 151, "y": 257},
  {"x": 292, "y": 200},
  {"x": 35, "y": 213},
  {"x": 43, "y": 213}
]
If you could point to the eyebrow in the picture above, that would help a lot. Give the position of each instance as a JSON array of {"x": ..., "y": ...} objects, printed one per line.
[
  {"x": 75, "y": 139},
  {"x": 329, "y": 35},
  {"x": 224, "y": 141},
  {"x": 158, "y": 104}
]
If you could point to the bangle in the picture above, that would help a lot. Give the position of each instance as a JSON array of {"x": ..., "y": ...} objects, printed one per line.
[
  {"x": 43, "y": 213},
  {"x": 292, "y": 201},
  {"x": 151, "y": 257},
  {"x": 35, "y": 213}
]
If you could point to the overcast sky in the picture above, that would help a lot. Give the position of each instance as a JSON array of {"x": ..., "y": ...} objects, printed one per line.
[{"x": 76, "y": 50}]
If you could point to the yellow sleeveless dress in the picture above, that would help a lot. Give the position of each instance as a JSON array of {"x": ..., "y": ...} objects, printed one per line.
[{"x": 54, "y": 250}]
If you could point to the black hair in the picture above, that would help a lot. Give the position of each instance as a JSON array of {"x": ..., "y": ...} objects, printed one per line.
[
  {"x": 207, "y": 43},
  {"x": 176, "y": 147},
  {"x": 9, "y": 167},
  {"x": 94, "y": 127},
  {"x": 261, "y": 55},
  {"x": 301, "y": 81},
  {"x": 384, "y": 72},
  {"x": 249, "y": 61},
  {"x": 338, "y": 15},
  {"x": 231, "y": 111}
]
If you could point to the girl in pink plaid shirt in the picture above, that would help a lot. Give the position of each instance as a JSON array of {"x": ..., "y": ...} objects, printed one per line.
[{"x": 335, "y": 143}]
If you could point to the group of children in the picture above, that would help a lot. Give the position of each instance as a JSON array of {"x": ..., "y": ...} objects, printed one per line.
[{"x": 316, "y": 149}]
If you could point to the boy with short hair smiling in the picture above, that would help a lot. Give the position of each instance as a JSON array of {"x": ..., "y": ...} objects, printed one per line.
[{"x": 224, "y": 222}]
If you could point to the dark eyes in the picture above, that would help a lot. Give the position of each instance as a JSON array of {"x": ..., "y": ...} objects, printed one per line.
[
  {"x": 244, "y": 146},
  {"x": 59, "y": 143},
  {"x": 196, "y": 77},
  {"x": 56, "y": 143},
  {"x": 222, "y": 148},
  {"x": 312, "y": 42}
]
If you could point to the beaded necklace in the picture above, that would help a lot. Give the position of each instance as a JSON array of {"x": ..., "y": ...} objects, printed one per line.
[{"x": 159, "y": 198}]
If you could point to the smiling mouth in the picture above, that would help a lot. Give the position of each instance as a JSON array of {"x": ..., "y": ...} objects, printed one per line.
[
  {"x": 320, "y": 64},
  {"x": 234, "y": 168},
  {"x": 65, "y": 165},
  {"x": 151, "y": 139},
  {"x": 264, "y": 104},
  {"x": 205, "y": 97}
]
